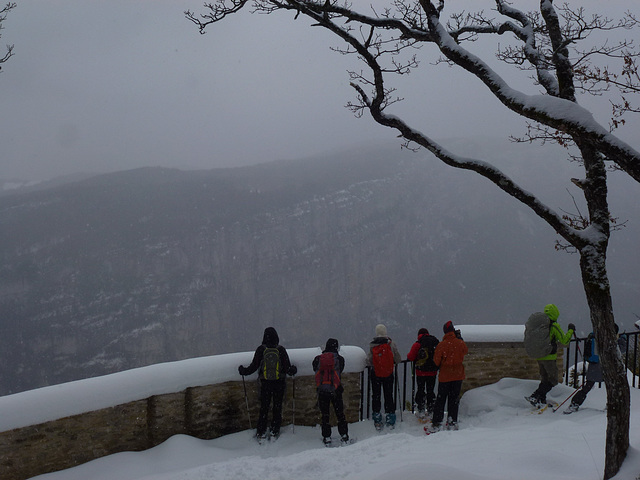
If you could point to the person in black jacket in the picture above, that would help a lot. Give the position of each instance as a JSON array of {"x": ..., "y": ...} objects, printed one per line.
[
  {"x": 331, "y": 394},
  {"x": 421, "y": 353},
  {"x": 272, "y": 361}
]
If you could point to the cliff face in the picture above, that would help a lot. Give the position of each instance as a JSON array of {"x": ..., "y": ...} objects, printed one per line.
[{"x": 151, "y": 265}]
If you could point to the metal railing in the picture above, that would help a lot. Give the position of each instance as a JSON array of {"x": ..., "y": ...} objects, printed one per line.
[
  {"x": 575, "y": 368},
  {"x": 404, "y": 378}
]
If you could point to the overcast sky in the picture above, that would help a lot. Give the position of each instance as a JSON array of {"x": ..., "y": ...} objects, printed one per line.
[{"x": 99, "y": 85}]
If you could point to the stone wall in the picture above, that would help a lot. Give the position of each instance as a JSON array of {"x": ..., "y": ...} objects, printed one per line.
[
  {"x": 204, "y": 412},
  {"x": 488, "y": 362},
  {"x": 209, "y": 412}
]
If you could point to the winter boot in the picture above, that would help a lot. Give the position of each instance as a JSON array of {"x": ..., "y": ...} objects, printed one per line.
[
  {"x": 535, "y": 400},
  {"x": 573, "y": 407},
  {"x": 326, "y": 441},
  {"x": 391, "y": 420},
  {"x": 377, "y": 420}
]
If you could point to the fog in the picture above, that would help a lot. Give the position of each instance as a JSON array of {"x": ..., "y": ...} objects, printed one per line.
[{"x": 104, "y": 86}]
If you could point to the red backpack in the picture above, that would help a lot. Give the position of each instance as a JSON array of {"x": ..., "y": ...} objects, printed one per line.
[
  {"x": 382, "y": 360},
  {"x": 327, "y": 376}
]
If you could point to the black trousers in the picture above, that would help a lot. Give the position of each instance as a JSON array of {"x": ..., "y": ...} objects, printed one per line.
[
  {"x": 271, "y": 393},
  {"x": 324, "y": 402},
  {"x": 384, "y": 384},
  {"x": 448, "y": 393},
  {"x": 580, "y": 397},
  {"x": 425, "y": 392}
]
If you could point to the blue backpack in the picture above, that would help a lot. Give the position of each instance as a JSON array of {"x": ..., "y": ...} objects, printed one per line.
[{"x": 591, "y": 349}]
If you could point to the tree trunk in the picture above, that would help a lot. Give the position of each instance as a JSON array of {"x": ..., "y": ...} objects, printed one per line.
[{"x": 596, "y": 287}]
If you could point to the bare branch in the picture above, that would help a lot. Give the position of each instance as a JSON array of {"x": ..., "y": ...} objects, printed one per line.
[{"x": 4, "y": 11}]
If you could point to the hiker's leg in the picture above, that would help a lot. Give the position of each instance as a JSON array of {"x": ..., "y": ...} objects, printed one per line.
[
  {"x": 338, "y": 405},
  {"x": 324, "y": 402},
  {"x": 420, "y": 393},
  {"x": 430, "y": 384},
  {"x": 278, "y": 394},
  {"x": 388, "y": 386},
  {"x": 441, "y": 398},
  {"x": 453, "y": 401},
  {"x": 376, "y": 386},
  {"x": 580, "y": 397},
  {"x": 265, "y": 399}
]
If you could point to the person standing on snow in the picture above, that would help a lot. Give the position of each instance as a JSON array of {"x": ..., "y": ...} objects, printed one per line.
[
  {"x": 329, "y": 367},
  {"x": 547, "y": 364},
  {"x": 272, "y": 361},
  {"x": 421, "y": 354},
  {"x": 383, "y": 355},
  {"x": 448, "y": 356}
]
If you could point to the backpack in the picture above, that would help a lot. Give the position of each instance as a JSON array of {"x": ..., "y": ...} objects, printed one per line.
[
  {"x": 424, "y": 360},
  {"x": 591, "y": 349},
  {"x": 327, "y": 375},
  {"x": 382, "y": 360},
  {"x": 270, "y": 368},
  {"x": 537, "y": 336}
]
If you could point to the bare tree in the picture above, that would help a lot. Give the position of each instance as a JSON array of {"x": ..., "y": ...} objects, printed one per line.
[
  {"x": 3, "y": 15},
  {"x": 546, "y": 42}
]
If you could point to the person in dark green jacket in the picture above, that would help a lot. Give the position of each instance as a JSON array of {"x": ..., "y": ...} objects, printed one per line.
[{"x": 547, "y": 365}]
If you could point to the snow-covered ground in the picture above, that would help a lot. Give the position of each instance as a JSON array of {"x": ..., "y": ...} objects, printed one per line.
[{"x": 499, "y": 438}]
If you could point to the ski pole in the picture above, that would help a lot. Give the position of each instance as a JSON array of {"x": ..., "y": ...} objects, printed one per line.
[
  {"x": 293, "y": 419},
  {"x": 246, "y": 401},
  {"x": 565, "y": 401}
]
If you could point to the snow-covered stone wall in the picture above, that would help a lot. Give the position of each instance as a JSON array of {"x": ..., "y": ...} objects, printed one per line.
[{"x": 57, "y": 427}]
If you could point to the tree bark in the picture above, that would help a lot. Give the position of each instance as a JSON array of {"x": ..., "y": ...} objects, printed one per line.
[{"x": 613, "y": 369}]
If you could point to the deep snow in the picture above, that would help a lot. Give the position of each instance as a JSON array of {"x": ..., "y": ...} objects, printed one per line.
[{"x": 499, "y": 438}]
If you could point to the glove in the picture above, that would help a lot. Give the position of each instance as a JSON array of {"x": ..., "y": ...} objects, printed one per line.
[
  {"x": 292, "y": 370},
  {"x": 458, "y": 334},
  {"x": 242, "y": 371},
  {"x": 572, "y": 327}
]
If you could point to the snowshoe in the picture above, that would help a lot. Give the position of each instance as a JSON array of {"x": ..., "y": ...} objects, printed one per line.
[
  {"x": 432, "y": 428},
  {"x": 574, "y": 407}
]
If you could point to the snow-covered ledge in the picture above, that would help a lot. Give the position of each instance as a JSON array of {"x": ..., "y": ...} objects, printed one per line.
[
  {"x": 57, "y": 427},
  {"x": 492, "y": 333},
  {"x": 58, "y": 401}
]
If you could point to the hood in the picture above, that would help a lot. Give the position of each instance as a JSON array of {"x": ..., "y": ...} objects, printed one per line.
[
  {"x": 552, "y": 311},
  {"x": 270, "y": 337},
  {"x": 331, "y": 346}
]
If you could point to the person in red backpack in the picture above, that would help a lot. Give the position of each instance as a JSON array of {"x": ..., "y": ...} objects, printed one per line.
[
  {"x": 383, "y": 356},
  {"x": 448, "y": 357},
  {"x": 421, "y": 353},
  {"x": 329, "y": 367}
]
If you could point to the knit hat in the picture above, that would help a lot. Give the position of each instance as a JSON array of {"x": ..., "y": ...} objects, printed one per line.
[
  {"x": 381, "y": 330},
  {"x": 552, "y": 311},
  {"x": 423, "y": 331},
  {"x": 448, "y": 327},
  {"x": 331, "y": 346}
]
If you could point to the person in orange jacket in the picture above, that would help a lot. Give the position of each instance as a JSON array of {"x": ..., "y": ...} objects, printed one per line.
[{"x": 448, "y": 356}]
